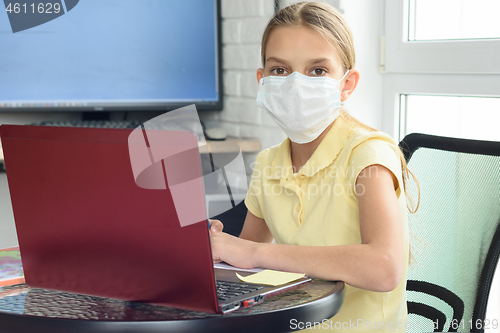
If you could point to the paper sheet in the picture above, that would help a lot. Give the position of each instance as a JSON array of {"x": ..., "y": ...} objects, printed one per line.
[
  {"x": 223, "y": 265},
  {"x": 270, "y": 277}
]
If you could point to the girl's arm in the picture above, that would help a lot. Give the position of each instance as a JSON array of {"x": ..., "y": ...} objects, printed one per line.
[
  {"x": 255, "y": 229},
  {"x": 376, "y": 264}
]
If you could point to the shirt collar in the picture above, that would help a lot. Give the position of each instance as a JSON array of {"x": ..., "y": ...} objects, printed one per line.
[{"x": 324, "y": 155}]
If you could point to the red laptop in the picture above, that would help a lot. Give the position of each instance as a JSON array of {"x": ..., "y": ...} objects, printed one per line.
[{"x": 84, "y": 226}]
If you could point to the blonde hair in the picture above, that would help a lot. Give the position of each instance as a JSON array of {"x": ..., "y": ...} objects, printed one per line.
[
  {"x": 321, "y": 17},
  {"x": 328, "y": 22}
]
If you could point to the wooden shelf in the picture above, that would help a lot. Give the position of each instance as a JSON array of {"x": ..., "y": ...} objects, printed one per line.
[{"x": 246, "y": 146}]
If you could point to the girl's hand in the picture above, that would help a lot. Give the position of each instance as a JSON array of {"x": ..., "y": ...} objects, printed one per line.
[
  {"x": 233, "y": 250},
  {"x": 215, "y": 226}
]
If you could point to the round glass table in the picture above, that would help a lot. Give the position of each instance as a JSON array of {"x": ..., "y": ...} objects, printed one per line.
[{"x": 25, "y": 309}]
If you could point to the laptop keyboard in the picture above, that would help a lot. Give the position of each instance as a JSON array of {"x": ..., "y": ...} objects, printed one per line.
[
  {"x": 227, "y": 289},
  {"x": 91, "y": 123}
]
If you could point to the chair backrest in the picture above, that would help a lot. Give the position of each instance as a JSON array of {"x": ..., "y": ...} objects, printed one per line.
[{"x": 455, "y": 235}]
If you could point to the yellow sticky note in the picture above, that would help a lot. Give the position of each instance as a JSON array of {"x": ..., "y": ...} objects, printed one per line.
[{"x": 270, "y": 277}]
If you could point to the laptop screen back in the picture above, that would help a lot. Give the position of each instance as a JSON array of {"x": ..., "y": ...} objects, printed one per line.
[{"x": 84, "y": 226}]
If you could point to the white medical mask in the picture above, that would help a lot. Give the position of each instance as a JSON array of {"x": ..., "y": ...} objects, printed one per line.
[{"x": 303, "y": 106}]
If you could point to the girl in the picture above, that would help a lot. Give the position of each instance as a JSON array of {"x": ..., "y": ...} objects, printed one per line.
[{"x": 332, "y": 194}]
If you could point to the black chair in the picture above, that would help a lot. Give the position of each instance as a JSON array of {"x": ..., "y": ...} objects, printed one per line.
[
  {"x": 455, "y": 234},
  {"x": 233, "y": 219}
]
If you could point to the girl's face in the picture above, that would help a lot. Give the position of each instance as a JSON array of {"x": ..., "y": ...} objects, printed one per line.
[{"x": 302, "y": 49}]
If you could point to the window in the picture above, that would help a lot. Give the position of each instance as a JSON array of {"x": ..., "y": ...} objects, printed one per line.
[
  {"x": 442, "y": 74},
  {"x": 453, "y": 19},
  {"x": 454, "y": 116},
  {"x": 438, "y": 52},
  {"x": 421, "y": 36}
]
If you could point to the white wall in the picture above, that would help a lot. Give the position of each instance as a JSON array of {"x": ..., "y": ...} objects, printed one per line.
[
  {"x": 243, "y": 24},
  {"x": 366, "y": 19}
]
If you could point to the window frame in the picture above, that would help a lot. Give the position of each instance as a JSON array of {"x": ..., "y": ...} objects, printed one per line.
[
  {"x": 408, "y": 70},
  {"x": 468, "y": 56},
  {"x": 396, "y": 85}
]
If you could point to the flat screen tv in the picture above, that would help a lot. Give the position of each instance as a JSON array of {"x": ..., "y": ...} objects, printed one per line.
[{"x": 113, "y": 55}]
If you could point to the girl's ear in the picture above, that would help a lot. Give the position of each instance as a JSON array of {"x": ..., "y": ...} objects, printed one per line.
[
  {"x": 349, "y": 84},
  {"x": 260, "y": 74}
]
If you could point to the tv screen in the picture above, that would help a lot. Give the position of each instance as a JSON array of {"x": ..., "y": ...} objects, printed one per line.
[{"x": 113, "y": 55}]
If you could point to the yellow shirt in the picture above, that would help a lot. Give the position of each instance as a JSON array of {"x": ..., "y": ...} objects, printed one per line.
[{"x": 318, "y": 206}]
